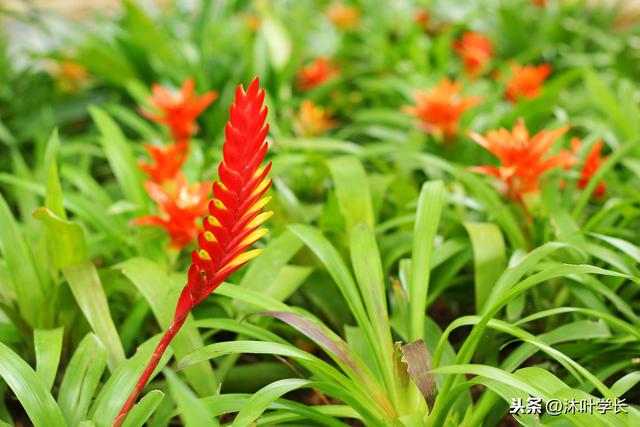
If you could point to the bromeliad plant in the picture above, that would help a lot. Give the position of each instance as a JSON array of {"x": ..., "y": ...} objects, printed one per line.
[{"x": 235, "y": 215}]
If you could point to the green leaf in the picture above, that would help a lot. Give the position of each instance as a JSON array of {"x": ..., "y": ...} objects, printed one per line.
[
  {"x": 155, "y": 286},
  {"x": 322, "y": 414},
  {"x": 489, "y": 258},
  {"x": 513, "y": 274},
  {"x": 336, "y": 267},
  {"x": 30, "y": 390},
  {"x": 264, "y": 397},
  {"x": 278, "y": 42},
  {"x": 115, "y": 391},
  {"x": 118, "y": 152},
  {"x": 605, "y": 99},
  {"x": 262, "y": 273},
  {"x": 339, "y": 385},
  {"x": 369, "y": 277},
  {"x": 626, "y": 383},
  {"x": 81, "y": 379},
  {"x": 143, "y": 410},
  {"x": 29, "y": 288},
  {"x": 48, "y": 346},
  {"x": 430, "y": 204},
  {"x": 352, "y": 190},
  {"x": 88, "y": 292},
  {"x": 193, "y": 412},
  {"x": 53, "y": 195},
  {"x": 66, "y": 238},
  {"x": 332, "y": 344}
]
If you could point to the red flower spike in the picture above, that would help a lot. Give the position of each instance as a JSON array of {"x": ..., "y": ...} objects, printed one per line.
[
  {"x": 235, "y": 215},
  {"x": 179, "y": 112},
  {"x": 167, "y": 161},
  {"x": 524, "y": 159},
  {"x": 476, "y": 52},
  {"x": 591, "y": 165},
  {"x": 526, "y": 81},
  {"x": 440, "y": 109},
  {"x": 180, "y": 205},
  {"x": 316, "y": 73}
]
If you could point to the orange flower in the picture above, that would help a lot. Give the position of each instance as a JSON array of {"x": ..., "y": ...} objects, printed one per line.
[
  {"x": 422, "y": 17},
  {"x": 343, "y": 16},
  {"x": 523, "y": 158},
  {"x": 313, "y": 120},
  {"x": 252, "y": 21},
  {"x": 526, "y": 81},
  {"x": 167, "y": 161},
  {"x": 179, "y": 112},
  {"x": 316, "y": 73},
  {"x": 539, "y": 2},
  {"x": 476, "y": 52},
  {"x": 439, "y": 109},
  {"x": 73, "y": 71},
  {"x": 591, "y": 165},
  {"x": 70, "y": 76},
  {"x": 180, "y": 206}
]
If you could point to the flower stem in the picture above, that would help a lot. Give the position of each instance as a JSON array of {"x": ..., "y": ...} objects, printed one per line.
[{"x": 151, "y": 366}]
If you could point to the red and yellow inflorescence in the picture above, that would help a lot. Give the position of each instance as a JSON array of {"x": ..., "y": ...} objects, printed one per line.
[
  {"x": 236, "y": 211},
  {"x": 233, "y": 223}
]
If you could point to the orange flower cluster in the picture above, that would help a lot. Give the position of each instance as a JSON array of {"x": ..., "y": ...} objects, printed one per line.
[
  {"x": 180, "y": 205},
  {"x": 476, "y": 52},
  {"x": 524, "y": 158},
  {"x": 179, "y": 112},
  {"x": 313, "y": 120},
  {"x": 343, "y": 16},
  {"x": 525, "y": 81},
  {"x": 439, "y": 110},
  {"x": 422, "y": 17},
  {"x": 318, "y": 72}
]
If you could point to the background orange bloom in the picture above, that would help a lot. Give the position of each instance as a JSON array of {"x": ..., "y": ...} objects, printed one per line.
[{"x": 440, "y": 108}]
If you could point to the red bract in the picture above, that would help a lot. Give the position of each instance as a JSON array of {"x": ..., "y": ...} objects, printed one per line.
[
  {"x": 180, "y": 206},
  {"x": 235, "y": 215},
  {"x": 591, "y": 165},
  {"x": 179, "y": 112},
  {"x": 166, "y": 161},
  {"x": 523, "y": 158},
  {"x": 439, "y": 109},
  {"x": 316, "y": 73},
  {"x": 526, "y": 80},
  {"x": 476, "y": 52}
]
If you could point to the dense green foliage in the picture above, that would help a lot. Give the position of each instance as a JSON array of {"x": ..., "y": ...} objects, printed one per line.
[{"x": 381, "y": 234}]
